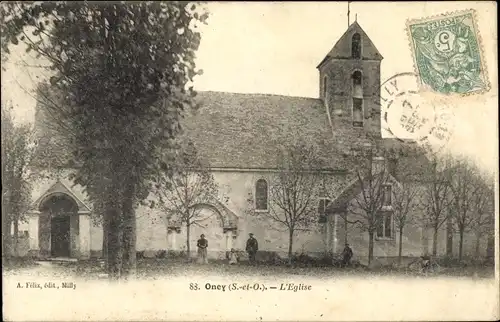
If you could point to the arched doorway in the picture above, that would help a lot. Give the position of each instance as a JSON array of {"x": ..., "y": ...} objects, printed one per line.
[{"x": 58, "y": 226}]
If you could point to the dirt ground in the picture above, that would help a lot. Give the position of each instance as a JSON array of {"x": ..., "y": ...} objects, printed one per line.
[{"x": 154, "y": 268}]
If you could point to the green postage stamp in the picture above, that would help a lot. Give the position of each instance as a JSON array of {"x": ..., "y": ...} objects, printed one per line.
[{"x": 447, "y": 53}]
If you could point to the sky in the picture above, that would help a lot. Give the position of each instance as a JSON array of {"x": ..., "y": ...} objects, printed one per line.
[{"x": 275, "y": 47}]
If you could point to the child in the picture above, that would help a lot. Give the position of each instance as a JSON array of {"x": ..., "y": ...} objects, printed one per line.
[{"x": 233, "y": 257}]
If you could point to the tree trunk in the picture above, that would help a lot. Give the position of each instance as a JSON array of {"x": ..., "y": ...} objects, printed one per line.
[
  {"x": 105, "y": 235},
  {"x": 461, "y": 245},
  {"x": 188, "y": 236},
  {"x": 434, "y": 241},
  {"x": 490, "y": 247},
  {"x": 16, "y": 236},
  {"x": 115, "y": 233},
  {"x": 370, "y": 247},
  {"x": 105, "y": 225},
  {"x": 129, "y": 263},
  {"x": 6, "y": 237},
  {"x": 400, "y": 245},
  {"x": 115, "y": 227},
  {"x": 290, "y": 246},
  {"x": 345, "y": 229},
  {"x": 478, "y": 243},
  {"x": 449, "y": 238}
]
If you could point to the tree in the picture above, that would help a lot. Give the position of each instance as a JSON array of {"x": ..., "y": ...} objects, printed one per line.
[
  {"x": 121, "y": 72},
  {"x": 372, "y": 177},
  {"x": 471, "y": 201},
  {"x": 17, "y": 152},
  {"x": 405, "y": 202},
  {"x": 464, "y": 185},
  {"x": 192, "y": 184},
  {"x": 294, "y": 190},
  {"x": 436, "y": 199}
]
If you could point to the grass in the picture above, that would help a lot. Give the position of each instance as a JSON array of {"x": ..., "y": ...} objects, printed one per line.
[
  {"x": 16, "y": 263},
  {"x": 156, "y": 268}
]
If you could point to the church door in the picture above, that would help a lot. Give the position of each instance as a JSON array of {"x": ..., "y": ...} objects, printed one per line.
[{"x": 60, "y": 238}]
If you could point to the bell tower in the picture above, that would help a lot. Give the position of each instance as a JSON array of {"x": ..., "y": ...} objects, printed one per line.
[{"x": 350, "y": 81}]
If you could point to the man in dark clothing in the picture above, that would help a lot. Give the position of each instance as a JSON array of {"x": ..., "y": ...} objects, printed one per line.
[
  {"x": 252, "y": 248},
  {"x": 346, "y": 255},
  {"x": 202, "y": 250}
]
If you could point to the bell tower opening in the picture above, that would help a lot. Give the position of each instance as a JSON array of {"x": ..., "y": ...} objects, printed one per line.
[{"x": 357, "y": 99}]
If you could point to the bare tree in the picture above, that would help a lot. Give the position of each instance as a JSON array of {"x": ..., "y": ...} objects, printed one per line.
[
  {"x": 483, "y": 210},
  {"x": 294, "y": 190},
  {"x": 436, "y": 198},
  {"x": 464, "y": 186},
  {"x": 372, "y": 178},
  {"x": 180, "y": 194},
  {"x": 404, "y": 203}
]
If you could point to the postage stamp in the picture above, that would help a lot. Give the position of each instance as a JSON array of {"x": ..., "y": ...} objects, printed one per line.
[
  {"x": 447, "y": 53},
  {"x": 409, "y": 115}
]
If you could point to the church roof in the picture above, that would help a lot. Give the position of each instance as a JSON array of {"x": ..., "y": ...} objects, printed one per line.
[
  {"x": 232, "y": 130},
  {"x": 244, "y": 131},
  {"x": 342, "y": 49}
]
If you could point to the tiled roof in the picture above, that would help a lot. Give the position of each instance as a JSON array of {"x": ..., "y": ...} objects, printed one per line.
[{"x": 246, "y": 130}]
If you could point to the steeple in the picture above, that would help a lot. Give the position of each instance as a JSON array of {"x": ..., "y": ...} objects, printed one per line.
[
  {"x": 350, "y": 80},
  {"x": 342, "y": 48}
]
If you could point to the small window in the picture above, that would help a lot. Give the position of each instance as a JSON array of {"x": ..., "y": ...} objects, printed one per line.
[
  {"x": 385, "y": 226},
  {"x": 356, "y": 46},
  {"x": 357, "y": 112},
  {"x": 387, "y": 195},
  {"x": 261, "y": 194},
  {"x": 325, "y": 86},
  {"x": 322, "y": 210}
]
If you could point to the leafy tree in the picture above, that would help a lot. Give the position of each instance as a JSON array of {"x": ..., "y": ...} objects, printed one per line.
[
  {"x": 17, "y": 151},
  {"x": 192, "y": 184},
  {"x": 120, "y": 77}
]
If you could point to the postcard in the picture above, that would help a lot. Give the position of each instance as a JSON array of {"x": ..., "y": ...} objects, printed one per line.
[{"x": 241, "y": 161}]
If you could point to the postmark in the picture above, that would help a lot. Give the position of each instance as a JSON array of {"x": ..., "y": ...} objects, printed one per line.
[
  {"x": 410, "y": 115},
  {"x": 447, "y": 53}
]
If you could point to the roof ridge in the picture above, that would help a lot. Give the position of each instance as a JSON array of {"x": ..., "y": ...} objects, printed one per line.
[{"x": 258, "y": 94}]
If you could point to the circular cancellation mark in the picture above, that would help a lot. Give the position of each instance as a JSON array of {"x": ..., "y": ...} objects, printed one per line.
[{"x": 407, "y": 114}]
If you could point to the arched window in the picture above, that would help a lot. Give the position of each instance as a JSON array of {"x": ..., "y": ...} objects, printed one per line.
[
  {"x": 356, "y": 46},
  {"x": 261, "y": 193}
]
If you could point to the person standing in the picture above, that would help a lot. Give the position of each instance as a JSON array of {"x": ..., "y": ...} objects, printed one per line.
[
  {"x": 252, "y": 248},
  {"x": 346, "y": 256},
  {"x": 233, "y": 257},
  {"x": 202, "y": 250}
]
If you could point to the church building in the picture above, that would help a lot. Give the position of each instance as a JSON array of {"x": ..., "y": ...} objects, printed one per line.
[{"x": 238, "y": 135}]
